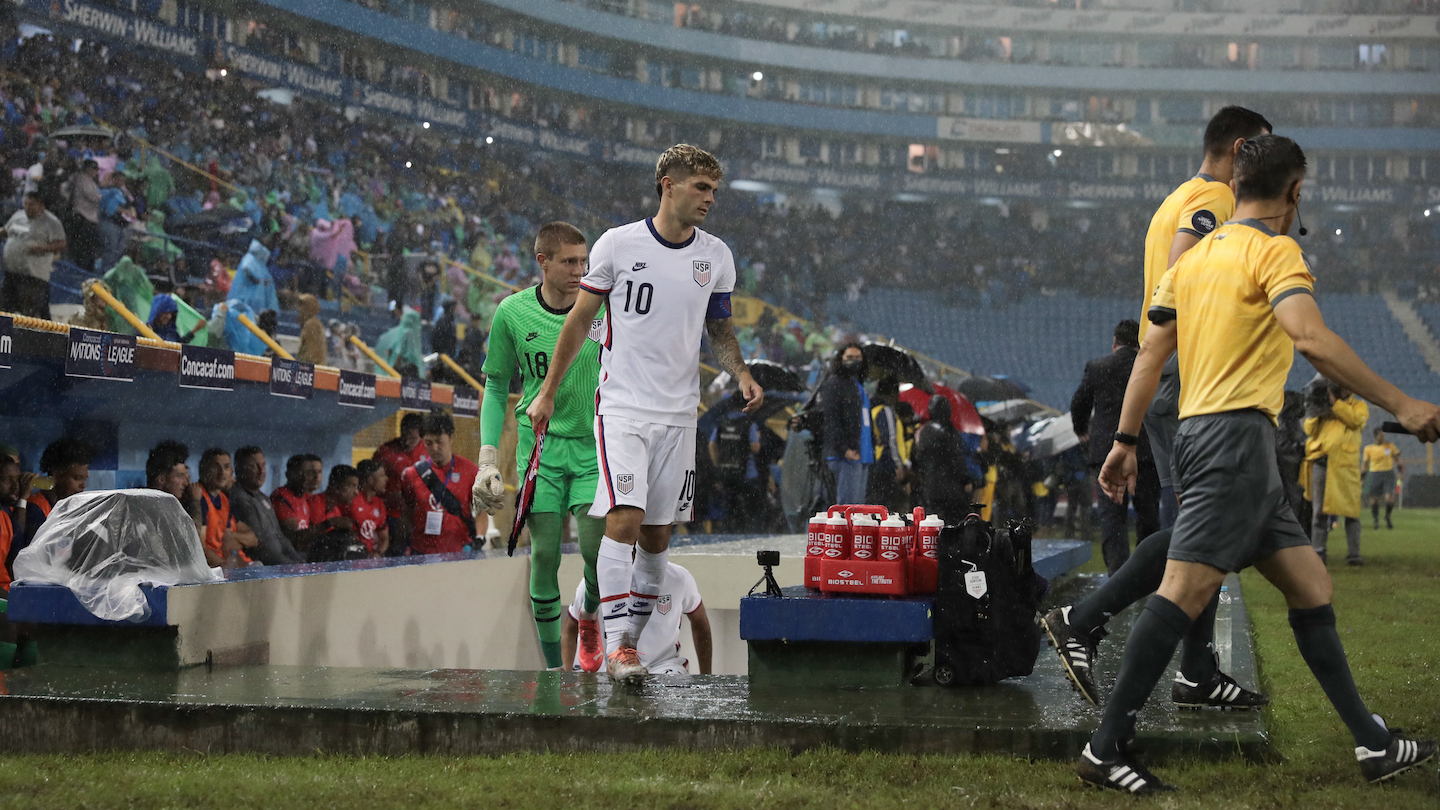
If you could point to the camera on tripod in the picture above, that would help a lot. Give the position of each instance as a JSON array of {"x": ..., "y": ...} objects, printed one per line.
[{"x": 768, "y": 560}]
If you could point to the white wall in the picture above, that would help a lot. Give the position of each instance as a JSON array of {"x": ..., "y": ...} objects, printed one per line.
[{"x": 473, "y": 614}]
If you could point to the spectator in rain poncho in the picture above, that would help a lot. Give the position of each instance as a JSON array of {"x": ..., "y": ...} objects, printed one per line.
[
  {"x": 401, "y": 345},
  {"x": 127, "y": 281},
  {"x": 164, "y": 318},
  {"x": 158, "y": 247},
  {"x": 159, "y": 185},
  {"x": 330, "y": 241},
  {"x": 253, "y": 284},
  {"x": 237, "y": 336}
]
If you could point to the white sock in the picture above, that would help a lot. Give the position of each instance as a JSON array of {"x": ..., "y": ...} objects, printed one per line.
[
  {"x": 612, "y": 568},
  {"x": 646, "y": 576}
]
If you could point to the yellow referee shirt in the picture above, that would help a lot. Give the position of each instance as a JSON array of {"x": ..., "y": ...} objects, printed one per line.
[
  {"x": 1233, "y": 353},
  {"x": 1196, "y": 207},
  {"x": 1381, "y": 457}
]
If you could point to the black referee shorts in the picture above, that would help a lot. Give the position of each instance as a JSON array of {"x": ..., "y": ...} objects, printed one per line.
[{"x": 1233, "y": 512}]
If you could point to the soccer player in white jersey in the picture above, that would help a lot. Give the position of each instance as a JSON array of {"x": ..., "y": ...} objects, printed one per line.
[{"x": 666, "y": 281}]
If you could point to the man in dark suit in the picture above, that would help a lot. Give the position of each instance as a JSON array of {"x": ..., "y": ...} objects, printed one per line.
[{"x": 1102, "y": 391}]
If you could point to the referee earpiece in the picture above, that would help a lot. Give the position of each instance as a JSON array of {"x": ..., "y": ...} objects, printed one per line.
[{"x": 1300, "y": 221}]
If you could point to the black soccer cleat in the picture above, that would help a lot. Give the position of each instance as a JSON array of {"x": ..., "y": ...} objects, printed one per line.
[
  {"x": 1119, "y": 773},
  {"x": 1399, "y": 756},
  {"x": 1220, "y": 691},
  {"x": 1076, "y": 650}
]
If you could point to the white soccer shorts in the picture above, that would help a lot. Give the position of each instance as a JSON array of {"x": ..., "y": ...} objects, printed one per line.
[
  {"x": 648, "y": 466},
  {"x": 670, "y": 666}
]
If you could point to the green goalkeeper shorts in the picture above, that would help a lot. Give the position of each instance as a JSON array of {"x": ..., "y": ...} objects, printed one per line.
[{"x": 569, "y": 471}]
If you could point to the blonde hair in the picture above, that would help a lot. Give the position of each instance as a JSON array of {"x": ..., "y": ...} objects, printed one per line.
[{"x": 684, "y": 160}]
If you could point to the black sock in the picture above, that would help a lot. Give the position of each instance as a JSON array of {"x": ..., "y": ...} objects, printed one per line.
[
  {"x": 1375, "y": 512},
  {"x": 1136, "y": 579},
  {"x": 1197, "y": 652},
  {"x": 1388, "y": 507},
  {"x": 1152, "y": 642},
  {"x": 1320, "y": 647}
]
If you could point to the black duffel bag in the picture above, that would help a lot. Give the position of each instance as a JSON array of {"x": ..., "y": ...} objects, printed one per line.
[{"x": 986, "y": 603}]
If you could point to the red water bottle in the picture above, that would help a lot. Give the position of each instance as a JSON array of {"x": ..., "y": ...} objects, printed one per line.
[
  {"x": 815, "y": 532},
  {"x": 837, "y": 538},
  {"x": 864, "y": 531}
]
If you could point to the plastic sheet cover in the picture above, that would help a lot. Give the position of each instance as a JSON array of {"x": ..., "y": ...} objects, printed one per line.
[{"x": 104, "y": 545}]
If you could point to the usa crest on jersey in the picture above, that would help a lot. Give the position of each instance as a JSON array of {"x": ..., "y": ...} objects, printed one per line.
[
  {"x": 662, "y": 604},
  {"x": 702, "y": 273}
]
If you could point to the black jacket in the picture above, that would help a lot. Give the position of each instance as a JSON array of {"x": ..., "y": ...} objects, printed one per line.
[
  {"x": 841, "y": 404},
  {"x": 939, "y": 460},
  {"x": 1102, "y": 390}
]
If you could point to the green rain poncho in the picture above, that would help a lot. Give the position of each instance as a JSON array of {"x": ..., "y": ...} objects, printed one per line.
[
  {"x": 127, "y": 282},
  {"x": 159, "y": 185},
  {"x": 402, "y": 344},
  {"x": 158, "y": 249}
]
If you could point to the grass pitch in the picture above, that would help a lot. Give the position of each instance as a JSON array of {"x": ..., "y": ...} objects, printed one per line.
[{"x": 1386, "y": 611}]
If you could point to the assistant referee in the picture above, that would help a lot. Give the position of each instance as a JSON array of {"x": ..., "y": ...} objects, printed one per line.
[{"x": 1237, "y": 306}]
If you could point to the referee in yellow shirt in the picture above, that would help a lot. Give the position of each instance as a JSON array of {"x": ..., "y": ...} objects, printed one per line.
[
  {"x": 1381, "y": 463},
  {"x": 1237, "y": 306}
]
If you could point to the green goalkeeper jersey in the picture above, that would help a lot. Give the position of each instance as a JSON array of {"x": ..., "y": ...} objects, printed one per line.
[{"x": 523, "y": 336}]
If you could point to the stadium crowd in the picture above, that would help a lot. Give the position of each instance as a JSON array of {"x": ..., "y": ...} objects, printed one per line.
[{"x": 375, "y": 212}]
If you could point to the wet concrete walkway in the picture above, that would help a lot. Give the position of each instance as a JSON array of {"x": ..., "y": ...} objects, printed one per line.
[{"x": 301, "y": 710}]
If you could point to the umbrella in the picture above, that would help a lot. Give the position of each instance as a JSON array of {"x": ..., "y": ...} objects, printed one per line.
[
  {"x": 992, "y": 389},
  {"x": 962, "y": 414},
  {"x": 1011, "y": 410},
  {"x": 1048, "y": 437},
  {"x": 81, "y": 131},
  {"x": 888, "y": 361},
  {"x": 775, "y": 377}
]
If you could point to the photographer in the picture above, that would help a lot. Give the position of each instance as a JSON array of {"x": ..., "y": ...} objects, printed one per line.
[{"x": 1331, "y": 473}]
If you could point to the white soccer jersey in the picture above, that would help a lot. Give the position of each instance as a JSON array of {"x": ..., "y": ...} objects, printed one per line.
[
  {"x": 660, "y": 640},
  {"x": 659, "y": 296}
]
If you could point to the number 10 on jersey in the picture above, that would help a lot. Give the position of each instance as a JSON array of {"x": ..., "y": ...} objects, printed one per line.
[{"x": 642, "y": 296}]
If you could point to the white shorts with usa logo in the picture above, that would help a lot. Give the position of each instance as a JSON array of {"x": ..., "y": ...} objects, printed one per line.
[{"x": 647, "y": 466}]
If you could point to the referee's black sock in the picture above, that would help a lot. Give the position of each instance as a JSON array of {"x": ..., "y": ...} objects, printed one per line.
[
  {"x": 1320, "y": 647},
  {"x": 1152, "y": 642},
  {"x": 1388, "y": 508},
  {"x": 1197, "y": 652},
  {"x": 1375, "y": 512},
  {"x": 1136, "y": 579}
]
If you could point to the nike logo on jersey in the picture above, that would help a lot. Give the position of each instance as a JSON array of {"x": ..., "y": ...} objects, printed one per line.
[
  {"x": 532, "y": 336},
  {"x": 638, "y": 267}
]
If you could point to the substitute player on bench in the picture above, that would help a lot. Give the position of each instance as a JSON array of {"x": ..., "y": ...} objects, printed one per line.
[
  {"x": 1187, "y": 215},
  {"x": 665, "y": 281},
  {"x": 522, "y": 336},
  {"x": 1238, "y": 305}
]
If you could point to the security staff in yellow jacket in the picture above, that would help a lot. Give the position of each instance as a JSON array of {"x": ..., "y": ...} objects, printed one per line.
[{"x": 1331, "y": 473}]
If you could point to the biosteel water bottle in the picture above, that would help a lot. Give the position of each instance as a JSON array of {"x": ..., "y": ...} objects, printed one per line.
[
  {"x": 815, "y": 532},
  {"x": 864, "y": 533},
  {"x": 927, "y": 537},
  {"x": 837, "y": 538},
  {"x": 893, "y": 534}
]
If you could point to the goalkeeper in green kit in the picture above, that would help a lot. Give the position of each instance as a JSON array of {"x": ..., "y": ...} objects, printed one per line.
[{"x": 522, "y": 336}]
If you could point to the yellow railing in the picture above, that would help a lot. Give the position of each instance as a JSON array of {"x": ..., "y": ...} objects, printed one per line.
[
  {"x": 111, "y": 301},
  {"x": 374, "y": 358},
  {"x": 265, "y": 338},
  {"x": 464, "y": 375}
]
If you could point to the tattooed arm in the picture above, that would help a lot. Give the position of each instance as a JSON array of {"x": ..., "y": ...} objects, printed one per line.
[{"x": 727, "y": 351}]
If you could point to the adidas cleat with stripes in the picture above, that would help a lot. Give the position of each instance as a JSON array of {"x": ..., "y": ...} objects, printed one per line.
[
  {"x": 1400, "y": 756},
  {"x": 1120, "y": 773},
  {"x": 1221, "y": 691},
  {"x": 1076, "y": 650}
]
